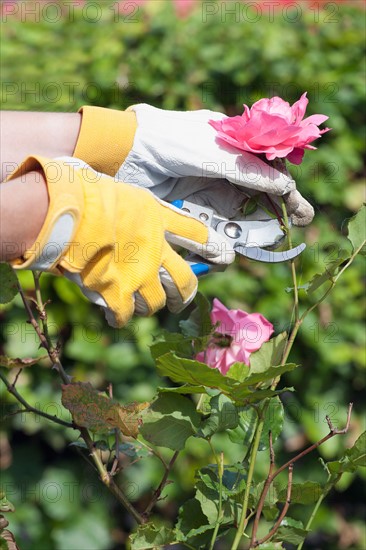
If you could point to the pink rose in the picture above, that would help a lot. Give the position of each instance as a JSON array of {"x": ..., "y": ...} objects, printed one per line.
[
  {"x": 272, "y": 127},
  {"x": 237, "y": 336}
]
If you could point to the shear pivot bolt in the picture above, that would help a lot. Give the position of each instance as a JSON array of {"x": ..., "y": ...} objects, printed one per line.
[
  {"x": 203, "y": 217},
  {"x": 233, "y": 230}
]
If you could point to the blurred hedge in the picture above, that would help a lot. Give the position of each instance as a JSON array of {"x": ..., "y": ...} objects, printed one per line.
[{"x": 216, "y": 60}]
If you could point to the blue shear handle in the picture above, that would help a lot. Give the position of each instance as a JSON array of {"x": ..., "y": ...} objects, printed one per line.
[
  {"x": 199, "y": 269},
  {"x": 178, "y": 203}
]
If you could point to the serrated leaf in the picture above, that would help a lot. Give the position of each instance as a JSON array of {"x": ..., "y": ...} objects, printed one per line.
[
  {"x": 171, "y": 342},
  {"x": 302, "y": 493},
  {"x": 239, "y": 371},
  {"x": 11, "y": 363},
  {"x": 330, "y": 271},
  {"x": 194, "y": 373},
  {"x": 233, "y": 487},
  {"x": 133, "y": 450},
  {"x": 245, "y": 396},
  {"x": 224, "y": 415},
  {"x": 149, "y": 536},
  {"x": 269, "y": 355},
  {"x": 8, "y": 283},
  {"x": 97, "y": 412},
  {"x": 243, "y": 434},
  {"x": 353, "y": 458},
  {"x": 192, "y": 524},
  {"x": 273, "y": 422},
  {"x": 188, "y": 371},
  {"x": 270, "y": 373},
  {"x": 169, "y": 421},
  {"x": 184, "y": 389},
  {"x": 357, "y": 230},
  {"x": 291, "y": 531},
  {"x": 199, "y": 322}
]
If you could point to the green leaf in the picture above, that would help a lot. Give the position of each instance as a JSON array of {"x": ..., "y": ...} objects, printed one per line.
[
  {"x": 273, "y": 422},
  {"x": 194, "y": 373},
  {"x": 192, "y": 524},
  {"x": 8, "y": 283},
  {"x": 171, "y": 342},
  {"x": 188, "y": 371},
  {"x": 97, "y": 412},
  {"x": 233, "y": 487},
  {"x": 224, "y": 415},
  {"x": 330, "y": 271},
  {"x": 243, "y": 395},
  {"x": 184, "y": 389},
  {"x": 291, "y": 531},
  {"x": 199, "y": 322},
  {"x": 302, "y": 493},
  {"x": 169, "y": 421},
  {"x": 357, "y": 453},
  {"x": 243, "y": 434},
  {"x": 269, "y": 374},
  {"x": 239, "y": 371},
  {"x": 357, "y": 230},
  {"x": 269, "y": 354},
  {"x": 353, "y": 458},
  {"x": 151, "y": 536}
]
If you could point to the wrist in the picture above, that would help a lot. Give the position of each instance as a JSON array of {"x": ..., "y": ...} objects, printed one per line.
[{"x": 23, "y": 210}]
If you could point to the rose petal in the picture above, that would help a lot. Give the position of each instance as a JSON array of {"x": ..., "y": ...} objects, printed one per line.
[
  {"x": 296, "y": 156},
  {"x": 299, "y": 108}
]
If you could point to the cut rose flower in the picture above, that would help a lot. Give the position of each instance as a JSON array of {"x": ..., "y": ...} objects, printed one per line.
[
  {"x": 274, "y": 127},
  {"x": 236, "y": 337}
]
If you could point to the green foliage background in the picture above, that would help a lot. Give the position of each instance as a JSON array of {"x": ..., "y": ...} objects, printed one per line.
[{"x": 202, "y": 61}]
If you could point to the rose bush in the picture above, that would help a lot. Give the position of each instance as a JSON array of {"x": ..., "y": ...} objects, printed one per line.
[
  {"x": 273, "y": 127},
  {"x": 237, "y": 335}
]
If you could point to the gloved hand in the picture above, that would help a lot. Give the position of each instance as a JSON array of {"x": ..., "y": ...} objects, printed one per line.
[
  {"x": 158, "y": 148},
  {"x": 111, "y": 239}
]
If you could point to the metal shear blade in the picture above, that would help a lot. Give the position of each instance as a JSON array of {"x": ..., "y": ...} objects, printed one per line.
[{"x": 248, "y": 237}]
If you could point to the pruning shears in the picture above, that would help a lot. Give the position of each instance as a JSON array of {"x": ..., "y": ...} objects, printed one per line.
[{"x": 251, "y": 237}]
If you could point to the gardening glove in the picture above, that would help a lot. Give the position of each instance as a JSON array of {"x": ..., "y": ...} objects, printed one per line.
[
  {"x": 155, "y": 148},
  {"x": 111, "y": 239}
]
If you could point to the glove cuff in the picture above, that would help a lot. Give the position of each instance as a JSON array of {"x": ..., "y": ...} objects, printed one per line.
[
  {"x": 106, "y": 137},
  {"x": 66, "y": 204}
]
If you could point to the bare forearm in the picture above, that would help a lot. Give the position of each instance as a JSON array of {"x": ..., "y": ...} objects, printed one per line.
[
  {"x": 25, "y": 133},
  {"x": 23, "y": 208}
]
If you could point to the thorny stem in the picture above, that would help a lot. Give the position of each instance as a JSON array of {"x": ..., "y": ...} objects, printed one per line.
[
  {"x": 271, "y": 476},
  {"x": 44, "y": 338},
  {"x": 107, "y": 479},
  {"x": 282, "y": 514},
  {"x": 28, "y": 408},
  {"x": 220, "y": 471},
  {"x": 298, "y": 322},
  {"x": 162, "y": 484},
  {"x": 266, "y": 485}
]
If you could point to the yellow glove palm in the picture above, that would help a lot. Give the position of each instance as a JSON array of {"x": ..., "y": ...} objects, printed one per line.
[{"x": 111, "y": 239}]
